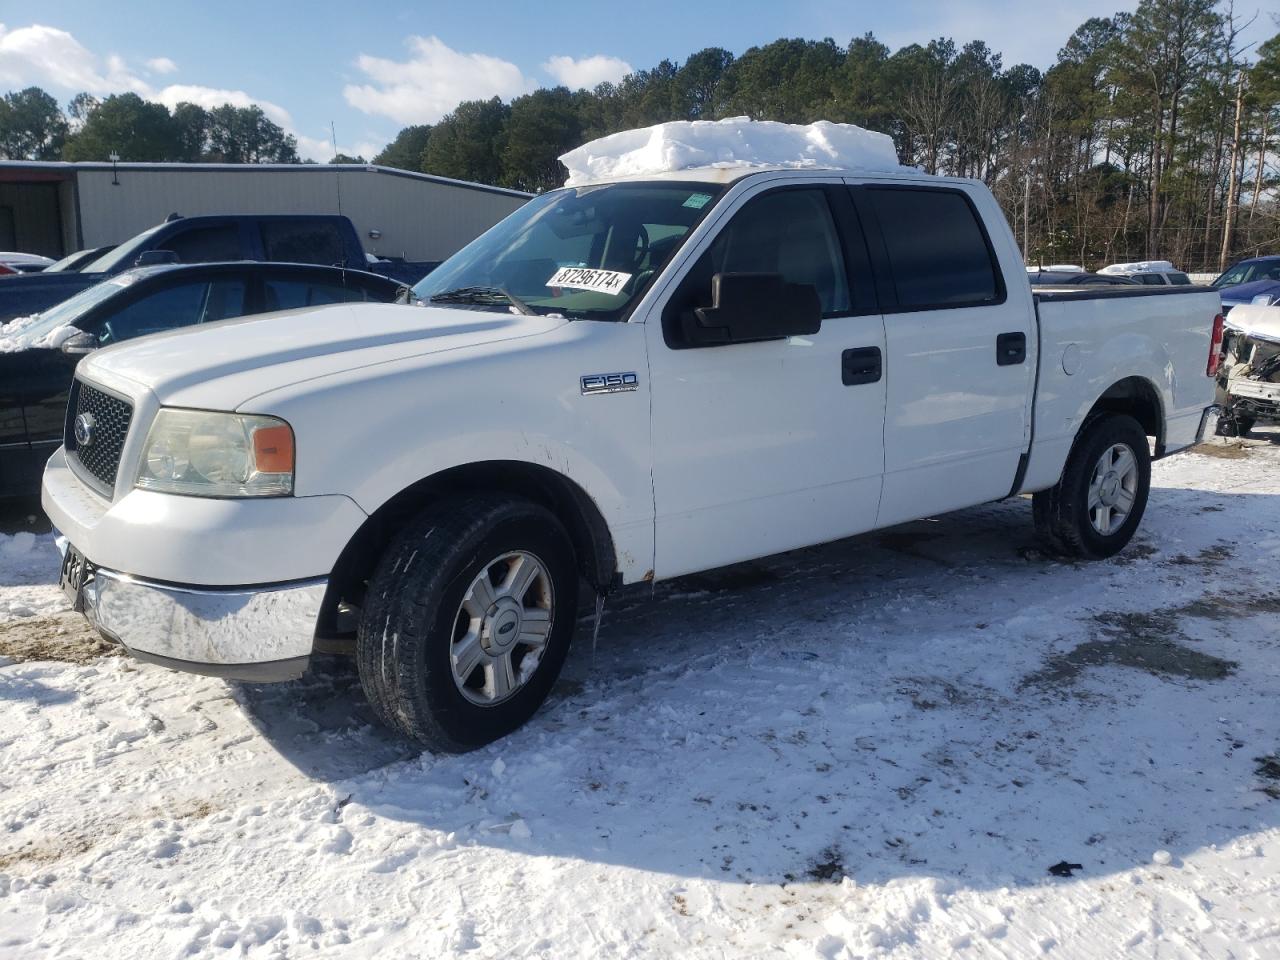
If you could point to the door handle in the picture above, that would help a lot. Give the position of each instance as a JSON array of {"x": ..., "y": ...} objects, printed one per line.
[
  {"x": 1011, "y": 348},
  {"x": 860, "y": 365}
]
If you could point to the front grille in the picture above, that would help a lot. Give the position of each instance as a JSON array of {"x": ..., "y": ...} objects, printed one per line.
[{"x": 109, "y": 418}]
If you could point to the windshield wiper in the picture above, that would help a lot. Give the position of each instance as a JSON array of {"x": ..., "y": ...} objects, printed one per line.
[{"x": 483, "y": 296}]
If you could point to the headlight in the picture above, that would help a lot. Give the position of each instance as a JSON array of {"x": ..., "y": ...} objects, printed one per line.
[
  {"x": 204, "y": 454},
  {"x": 1263, "y": 300}
]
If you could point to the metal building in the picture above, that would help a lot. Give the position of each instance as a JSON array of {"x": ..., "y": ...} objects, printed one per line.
[{"x": 56, "y": 208}]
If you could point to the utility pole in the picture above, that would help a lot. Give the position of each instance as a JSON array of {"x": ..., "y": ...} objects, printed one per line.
[{"x": 1233, "y": 188}]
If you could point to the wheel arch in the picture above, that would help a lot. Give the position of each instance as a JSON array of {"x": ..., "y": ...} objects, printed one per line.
[
  {"x": 1139, "y": 398},
  {"x": 572, "y": 505}
]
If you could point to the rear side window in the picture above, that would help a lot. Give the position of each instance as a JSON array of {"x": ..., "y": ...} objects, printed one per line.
[
  {"x": 1179, "y": 279},
  {"x": 937, "y": 249},
  {"x": 205, "y": 244},
  {"x": 300, "y": 241},
  {"x": 287, "y": 294},
  {"x": 1149, "y": 279}
]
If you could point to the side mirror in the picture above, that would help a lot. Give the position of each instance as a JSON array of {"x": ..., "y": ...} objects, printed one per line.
[
  {"x": 79, "y": 343},
  {"x": 152, "y": 258},
  {"x": 755, "y": 306}
]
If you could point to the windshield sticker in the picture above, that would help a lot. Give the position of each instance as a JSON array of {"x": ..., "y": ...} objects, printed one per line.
[
  {"x": 581, "y": 278},
  {"x": 697, "y": 201}
]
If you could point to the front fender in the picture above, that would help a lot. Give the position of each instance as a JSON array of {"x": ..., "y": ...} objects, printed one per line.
[{"x": 375, "y": 432}]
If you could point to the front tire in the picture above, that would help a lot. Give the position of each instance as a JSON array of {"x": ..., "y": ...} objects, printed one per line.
[
  {"x": 1096, "y": 506},
  {"x": 467, "y": 621}
]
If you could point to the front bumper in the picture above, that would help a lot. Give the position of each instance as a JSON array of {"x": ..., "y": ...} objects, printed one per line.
[{"x": 261, "y": 633}]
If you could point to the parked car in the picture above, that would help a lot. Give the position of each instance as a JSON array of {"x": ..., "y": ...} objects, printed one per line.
[
  {"x": 323, "y": 240},
  {"x": 1249, "y": 376},
  {"x": 1249, "y": 271},
  {"x": 16, "y": 263},
  {"x": 1075, "y": 278},
  {"x": 1250, "y": 281},
  {"x": 38, "y": 355},
  {"x": 624, "y": 381},
  {"x": 75, "y": 262},
  {"x": 1154, "y": 273}
]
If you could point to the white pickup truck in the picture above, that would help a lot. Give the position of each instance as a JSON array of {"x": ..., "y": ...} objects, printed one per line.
[{"x": 623, "y": 381}]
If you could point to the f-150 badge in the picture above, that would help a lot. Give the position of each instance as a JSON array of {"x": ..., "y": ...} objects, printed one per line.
[{"x": 609, "y": 383}]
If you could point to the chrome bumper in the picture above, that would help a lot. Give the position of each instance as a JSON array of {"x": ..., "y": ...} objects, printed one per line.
[{"x": 260, "y": 633}]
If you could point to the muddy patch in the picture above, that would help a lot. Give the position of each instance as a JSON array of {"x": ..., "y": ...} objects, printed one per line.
[
  {"x": 64, "y": 637},
  {"x": 1208, "y": 558},
  {"x": 1135, "y": 553},
  {"x": 1223, "y": 607},
  {"x": 1142, "y": 641},
  {"x": 1268, "y": 772},
  {"x": 1223, "y": 451}
]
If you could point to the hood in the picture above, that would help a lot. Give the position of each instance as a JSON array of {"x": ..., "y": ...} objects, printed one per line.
[
  {"x": 1245, "y": 292},
  {"x": 220, "y": 366},
  {"x": 1256, "y": 321},
  {"x": 28, "y": 293}
]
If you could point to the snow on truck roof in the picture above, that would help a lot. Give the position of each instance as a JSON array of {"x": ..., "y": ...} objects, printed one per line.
[{"x": 723, "y": 150}]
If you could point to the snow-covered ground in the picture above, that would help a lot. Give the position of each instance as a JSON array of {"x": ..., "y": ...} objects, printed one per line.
[{"x": 876, "y": 748}]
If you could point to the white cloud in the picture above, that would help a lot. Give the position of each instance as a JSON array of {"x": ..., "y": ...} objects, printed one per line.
[
  {"x": 53, "y": 58},
  {"x": 210, "y": 97},
  {"x": 588, "y": 72},
  {"x": 431, "y": 82},
  {"x": 321, "y": 148},
  {"x": 46, "y": 56}
]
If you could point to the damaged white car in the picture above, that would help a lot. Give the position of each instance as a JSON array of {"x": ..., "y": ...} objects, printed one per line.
[{"x": 1249, "y": 375}]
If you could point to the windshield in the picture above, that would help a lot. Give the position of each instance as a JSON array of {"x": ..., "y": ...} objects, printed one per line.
[
  {"x": 72, "y": 309},
  {"x": 583, "y": 252},
  {"x": 1249, "y": 271},
  {"x": 123, "y": 255}
]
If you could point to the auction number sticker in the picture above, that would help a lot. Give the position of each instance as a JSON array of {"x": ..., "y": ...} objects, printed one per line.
[{"x": 582, "y": 278}]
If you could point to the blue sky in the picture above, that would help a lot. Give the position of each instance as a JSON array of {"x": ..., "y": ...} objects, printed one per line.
[{"x": 372, "y": 68}]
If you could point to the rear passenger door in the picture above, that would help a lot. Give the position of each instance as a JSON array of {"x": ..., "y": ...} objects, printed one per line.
[{"x": 960, "y": 350}]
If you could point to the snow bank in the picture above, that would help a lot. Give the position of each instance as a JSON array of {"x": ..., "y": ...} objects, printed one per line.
[
  {"x": 734, "y": 142},
  {"x": 16, "y": 335},
  {"x": 1141, "y": 266}
]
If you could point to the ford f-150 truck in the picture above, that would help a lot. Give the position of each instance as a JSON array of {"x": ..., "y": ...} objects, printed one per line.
[{"x": 625, "y": 380}]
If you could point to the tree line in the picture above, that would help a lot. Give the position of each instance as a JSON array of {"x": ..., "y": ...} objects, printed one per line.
[
  {"x": 34, "y": 127},
  {"x": 1151, "y": 136}
]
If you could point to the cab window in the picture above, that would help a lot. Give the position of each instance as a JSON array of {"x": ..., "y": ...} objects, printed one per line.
[{"x": 790, "y": 232}]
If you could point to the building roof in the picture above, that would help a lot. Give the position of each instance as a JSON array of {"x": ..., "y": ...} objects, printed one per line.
[{"x": 55, "y": 167}]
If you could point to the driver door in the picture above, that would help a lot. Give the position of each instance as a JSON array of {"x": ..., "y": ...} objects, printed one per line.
[{"x": 766, "y": 446}]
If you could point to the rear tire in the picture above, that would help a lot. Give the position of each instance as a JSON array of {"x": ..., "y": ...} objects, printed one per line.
[
  {"x": 1096, "y": 506},
  {"x": 467, "y": 621}
]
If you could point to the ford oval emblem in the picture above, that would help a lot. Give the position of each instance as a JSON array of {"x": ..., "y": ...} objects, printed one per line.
[
  {"x": 84, "y": 429},
  {"x": 506, "y": 628}
]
